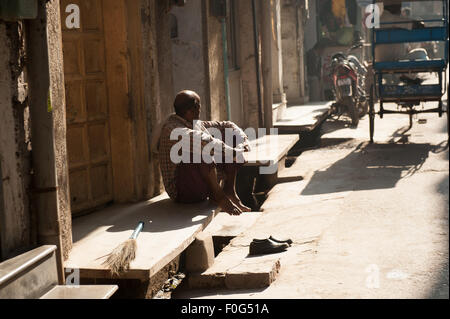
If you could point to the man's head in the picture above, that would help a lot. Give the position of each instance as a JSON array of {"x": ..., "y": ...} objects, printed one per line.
[{"x": 187, "y": 105}]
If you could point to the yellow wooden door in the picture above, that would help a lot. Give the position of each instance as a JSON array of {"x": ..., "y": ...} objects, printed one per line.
[{"x": 88, "y": 136}]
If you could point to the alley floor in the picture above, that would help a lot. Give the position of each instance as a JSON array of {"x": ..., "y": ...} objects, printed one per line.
[{"x": 367, "y": 220}]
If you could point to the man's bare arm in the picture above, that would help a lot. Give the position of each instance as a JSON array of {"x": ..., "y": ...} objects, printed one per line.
[{"x": 223, "y": 125}]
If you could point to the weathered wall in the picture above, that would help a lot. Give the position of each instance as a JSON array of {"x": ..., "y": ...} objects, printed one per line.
[
  {"x": 164, "y": 45},
  {"x": 16, "y": 225},
  {"x": 214, "y": 72},
  {"x": 187, "y": 51},
  {"x": 59, "y": 118},
  {"x": 44, "y": 67},
  {"x": 247, "y": 62},
  {"x": 311, "y": 26},
  {"x": 151, "y": 85},
  {"x": 277, "y": 54},
  {"x": 136, "y": 84}
]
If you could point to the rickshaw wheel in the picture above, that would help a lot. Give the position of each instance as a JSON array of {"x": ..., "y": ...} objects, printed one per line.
[{"x": 371, "y": 113}]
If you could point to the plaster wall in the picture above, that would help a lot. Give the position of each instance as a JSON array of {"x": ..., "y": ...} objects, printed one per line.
[
  {"x": 164, "y": 46},
  {"x": 187, "y": 51},
  {"x": 151, "y": 96},
  {"x": 277, "y": 53},
  {"x": 311, "y": 27},
  {"x": 15, "y": 217},
  {"x": 214, "y": 72},
  {"x": 58, "y": 101},
  {"x": 247, "y": 58}
]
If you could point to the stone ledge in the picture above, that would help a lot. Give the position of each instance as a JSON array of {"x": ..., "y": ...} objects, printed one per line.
[
  {"x": 234, "y": 269},
  {"x": 169, "y": 229}
]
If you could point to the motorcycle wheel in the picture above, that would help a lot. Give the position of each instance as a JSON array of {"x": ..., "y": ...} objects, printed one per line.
[
  {"x": 352, "y": 109},
  {"x": 363, "y": 108}
]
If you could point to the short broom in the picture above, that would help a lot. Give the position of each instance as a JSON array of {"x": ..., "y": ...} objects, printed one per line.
[{"x": 120, "y": 258}]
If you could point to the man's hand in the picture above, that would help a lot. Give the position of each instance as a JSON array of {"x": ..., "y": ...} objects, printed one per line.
[{"x": 244, "y": 146}]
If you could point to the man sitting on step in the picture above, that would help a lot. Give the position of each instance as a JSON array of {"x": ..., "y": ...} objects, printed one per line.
[{"x": 197, "y": 176}]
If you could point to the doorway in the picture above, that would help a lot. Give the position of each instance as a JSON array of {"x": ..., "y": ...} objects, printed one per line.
[{"x": 87, "y": 105}]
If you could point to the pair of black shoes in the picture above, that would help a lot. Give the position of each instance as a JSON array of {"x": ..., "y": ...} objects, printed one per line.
[{"x": 269, "y": 246}]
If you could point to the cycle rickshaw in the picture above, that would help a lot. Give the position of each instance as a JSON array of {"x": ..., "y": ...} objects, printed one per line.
[{"x": 400, "y": 80}]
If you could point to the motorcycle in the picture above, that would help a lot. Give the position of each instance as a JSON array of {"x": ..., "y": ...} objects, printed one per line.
[{"x": 348, "y": 77}]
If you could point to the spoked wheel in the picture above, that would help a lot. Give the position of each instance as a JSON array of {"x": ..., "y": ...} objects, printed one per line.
[
  {"x": 371, "y": 114},
  {"x": 363, "y": 108},
  {"x": 352, "y": 109}
]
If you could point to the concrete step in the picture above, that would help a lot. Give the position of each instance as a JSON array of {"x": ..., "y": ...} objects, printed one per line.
[
  {"x": 81, "y": 292},
  {"x": 303, "y": 118},
  {"x": 169, "y": 229},
  {"x": 33, "y": 275},
  {"x": 234, "y": 269},
  {"x": 29, "y": 275}
]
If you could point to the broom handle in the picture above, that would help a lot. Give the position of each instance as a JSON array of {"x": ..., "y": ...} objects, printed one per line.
[{"x": 138, "y": 229}]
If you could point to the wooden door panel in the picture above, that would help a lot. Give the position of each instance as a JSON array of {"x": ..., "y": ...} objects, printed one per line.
[
  {"x": 98, "y": 144},
  {"x": 96, "y": 100},
  {"x": 75, "y": 111},
  {"x": 94, "y": 55},
  {"x": 92, "y": 16},
  {"x": 87, "y": 107},
  {"x": 71, "y": 53},
  {"x": 100, "y": 190},
  {"x": 79, "y": 193},
  {"x": 76, "y": 149}
]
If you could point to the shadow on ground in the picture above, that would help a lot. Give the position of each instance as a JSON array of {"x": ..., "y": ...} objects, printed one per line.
[
  {"x": 335, "y": 123},
  {"x": 372, "y": 166}
]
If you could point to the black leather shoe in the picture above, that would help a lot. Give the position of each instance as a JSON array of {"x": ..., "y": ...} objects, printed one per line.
[
  {"x": 266, "y": 246},
  {"x": 278, "y": 241},
  {"x": 287, "y": 241}
]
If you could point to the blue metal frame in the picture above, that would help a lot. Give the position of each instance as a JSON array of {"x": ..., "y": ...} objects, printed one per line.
[
  {"x": 384, "y": 36},
  {"x": 408, "y": 96},
  {"x": 396, "y": 35},
  {"x": 421, "y": 65}
]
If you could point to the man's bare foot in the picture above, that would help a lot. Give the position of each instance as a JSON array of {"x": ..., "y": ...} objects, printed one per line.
[
  {"x": 236, "y": 201},
  {"x": 241, "y": 206},
  {"x": 228, "y": 206}
]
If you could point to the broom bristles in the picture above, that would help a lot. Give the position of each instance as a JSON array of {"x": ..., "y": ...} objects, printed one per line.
[{"x": 120, "y": 258}]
